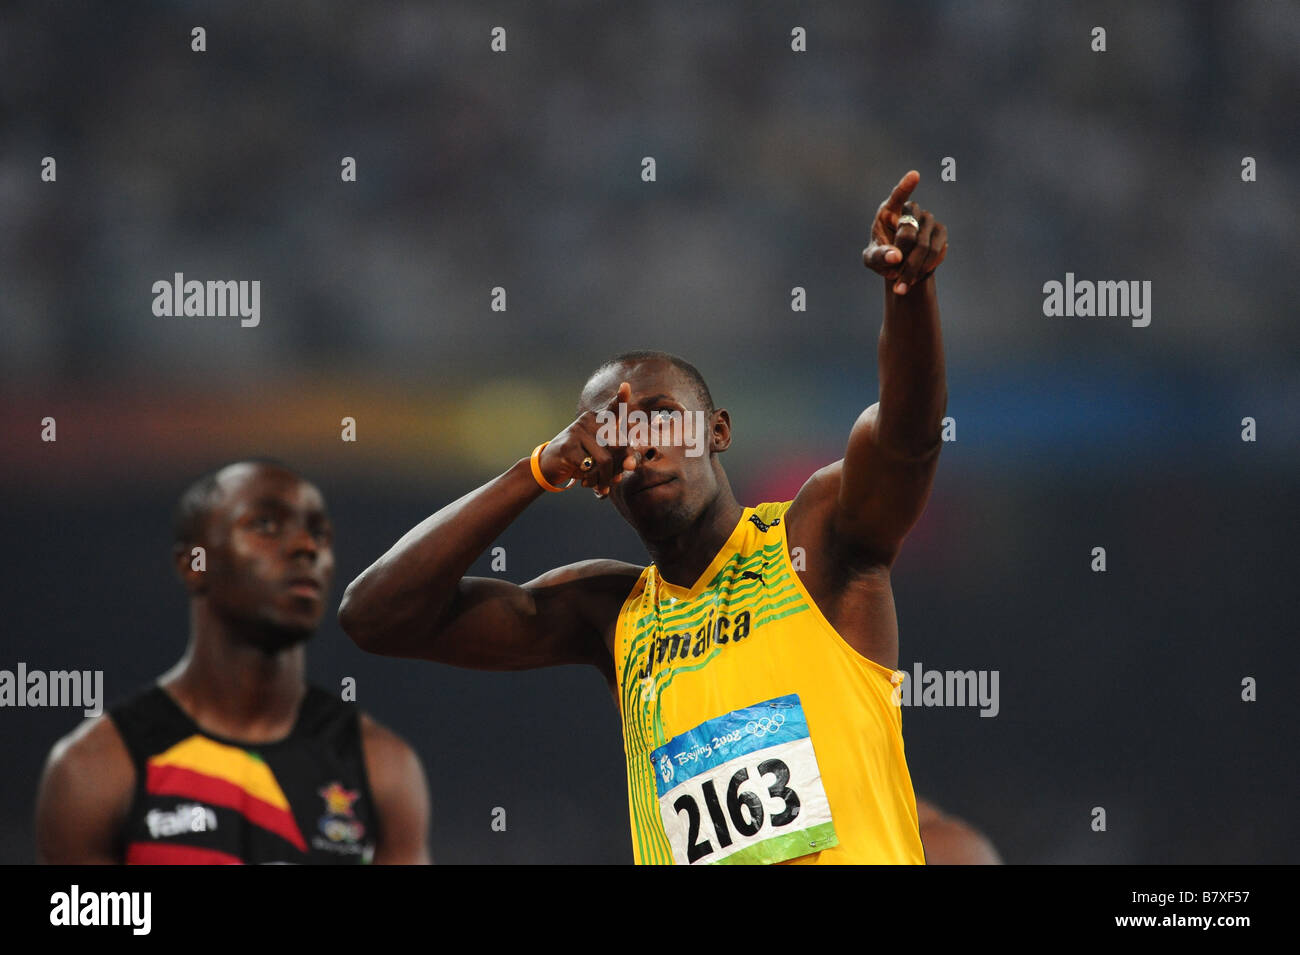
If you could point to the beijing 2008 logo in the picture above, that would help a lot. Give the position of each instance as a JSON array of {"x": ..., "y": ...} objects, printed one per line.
[{"x": 666, "y": 768}]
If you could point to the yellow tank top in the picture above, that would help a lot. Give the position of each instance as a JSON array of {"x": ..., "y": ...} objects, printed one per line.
[{"x": 703, "y": 675}]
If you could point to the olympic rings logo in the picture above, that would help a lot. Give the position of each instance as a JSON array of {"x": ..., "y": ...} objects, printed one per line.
[
  {"x": 342, "y": 830},
  {"x": 765, "y": 725}
]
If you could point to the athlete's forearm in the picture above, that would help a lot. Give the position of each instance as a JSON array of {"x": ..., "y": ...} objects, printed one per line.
[
  {"x": 406, "y": 593},
  {"x": 913, "y": 384}
]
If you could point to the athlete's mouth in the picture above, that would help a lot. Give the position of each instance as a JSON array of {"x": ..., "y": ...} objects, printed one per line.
[
  {"x": 305, "y": 586},
  {"x": 650, "y": 484}
]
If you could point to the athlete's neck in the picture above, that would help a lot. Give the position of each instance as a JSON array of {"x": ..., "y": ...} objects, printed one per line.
[
  {"x": 681, "y": 559},
  {"x": 232, "y": 688}
]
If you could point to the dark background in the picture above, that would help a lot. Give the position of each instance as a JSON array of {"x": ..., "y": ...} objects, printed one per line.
[{"x": 522, "y": 170}]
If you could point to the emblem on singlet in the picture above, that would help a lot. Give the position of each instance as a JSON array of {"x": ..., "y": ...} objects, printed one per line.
[{"x": 343, "y": 831}]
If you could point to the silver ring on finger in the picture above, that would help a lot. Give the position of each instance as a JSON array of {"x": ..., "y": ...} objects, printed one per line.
[{"x": 908, "y": 220}]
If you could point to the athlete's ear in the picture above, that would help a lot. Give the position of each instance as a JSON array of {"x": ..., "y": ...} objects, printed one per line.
[
  {"x": 191, "y": 566},
  {"x": 720, "y": 436}
]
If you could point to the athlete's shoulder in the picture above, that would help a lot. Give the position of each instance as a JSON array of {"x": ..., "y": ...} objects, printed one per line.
[
  {"x": 821, "y": 490},
  {"x": 95, "y": 745},
  {"x": 595, "y": 571},
  {"x": 813, "y": 508},
  {"x": 383, "y": 744},
  {"x": 811, "y": 521},
  {"x": 84, "y": 793},
  {"x": 597, "y": 589},
  {"x": 106, "y": 736},
  {"x": 400, "y": 791}
]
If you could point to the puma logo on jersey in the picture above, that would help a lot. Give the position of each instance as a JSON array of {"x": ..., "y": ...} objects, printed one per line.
[{"x": 752, "y": 575}]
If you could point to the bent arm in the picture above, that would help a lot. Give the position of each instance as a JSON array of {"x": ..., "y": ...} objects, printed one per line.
[
  {"x": 416, "y": 602},
  {"x": 411, "y": 592}
]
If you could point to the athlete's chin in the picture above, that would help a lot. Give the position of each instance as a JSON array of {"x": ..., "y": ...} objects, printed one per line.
[
  {"x": 661, "y": 521},
  {"x": 285, "y": 632}
]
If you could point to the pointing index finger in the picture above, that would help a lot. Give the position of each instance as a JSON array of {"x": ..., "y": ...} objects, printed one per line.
[
  {"x": 902, "y": 191},
  {"x": 610, "y": 411},
  {"x": 620, "y": 397}
]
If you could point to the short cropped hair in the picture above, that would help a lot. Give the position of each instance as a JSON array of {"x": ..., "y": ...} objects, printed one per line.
[
  {"x": 194, "y": 507},
  {"x": 681, "y": 364}
]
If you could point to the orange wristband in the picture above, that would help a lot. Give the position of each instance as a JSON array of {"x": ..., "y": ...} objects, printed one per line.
[{"x": 541, "y": 478}]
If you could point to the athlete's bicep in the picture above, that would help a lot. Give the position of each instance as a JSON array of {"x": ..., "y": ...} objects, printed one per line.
[
  {"x": 881, "y": 495},
  {"x": 553, "y": 620},
  {"x": 83, "y": 797},
  {"x": 498, "y": 625}
]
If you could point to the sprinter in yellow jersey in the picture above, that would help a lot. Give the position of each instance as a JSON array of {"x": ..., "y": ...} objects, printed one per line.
[{"x": 755, "y": 689}]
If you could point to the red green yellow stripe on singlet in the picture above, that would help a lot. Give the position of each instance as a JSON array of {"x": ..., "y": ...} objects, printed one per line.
[
  {"x": 156, "y": 853},
  {"x": 228, "y": 776}
]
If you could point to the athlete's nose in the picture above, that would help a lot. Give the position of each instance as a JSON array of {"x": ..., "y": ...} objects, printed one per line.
[
  {"x": 303, "y": 541},
  {"x": 641, "y": 448}
]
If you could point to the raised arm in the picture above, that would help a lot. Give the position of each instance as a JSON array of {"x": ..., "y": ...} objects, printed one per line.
[
  {"x": 893, "y": 448},
  {"x": 415, "y": 601}
]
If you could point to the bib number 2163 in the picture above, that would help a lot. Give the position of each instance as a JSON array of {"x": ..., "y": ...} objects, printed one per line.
[{"x": 744, "y": 788}]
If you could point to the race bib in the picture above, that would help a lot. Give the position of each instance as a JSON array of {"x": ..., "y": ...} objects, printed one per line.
[{"x": 744, "y": 788}]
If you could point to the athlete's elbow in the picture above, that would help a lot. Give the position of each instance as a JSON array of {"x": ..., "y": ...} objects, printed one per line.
[
  {"x": 379, "y": 624},
  {"x": 356, "y": 621}
]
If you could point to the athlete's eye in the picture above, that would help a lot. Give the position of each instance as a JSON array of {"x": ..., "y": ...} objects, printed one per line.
[{"x": 267, "y": 525}]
